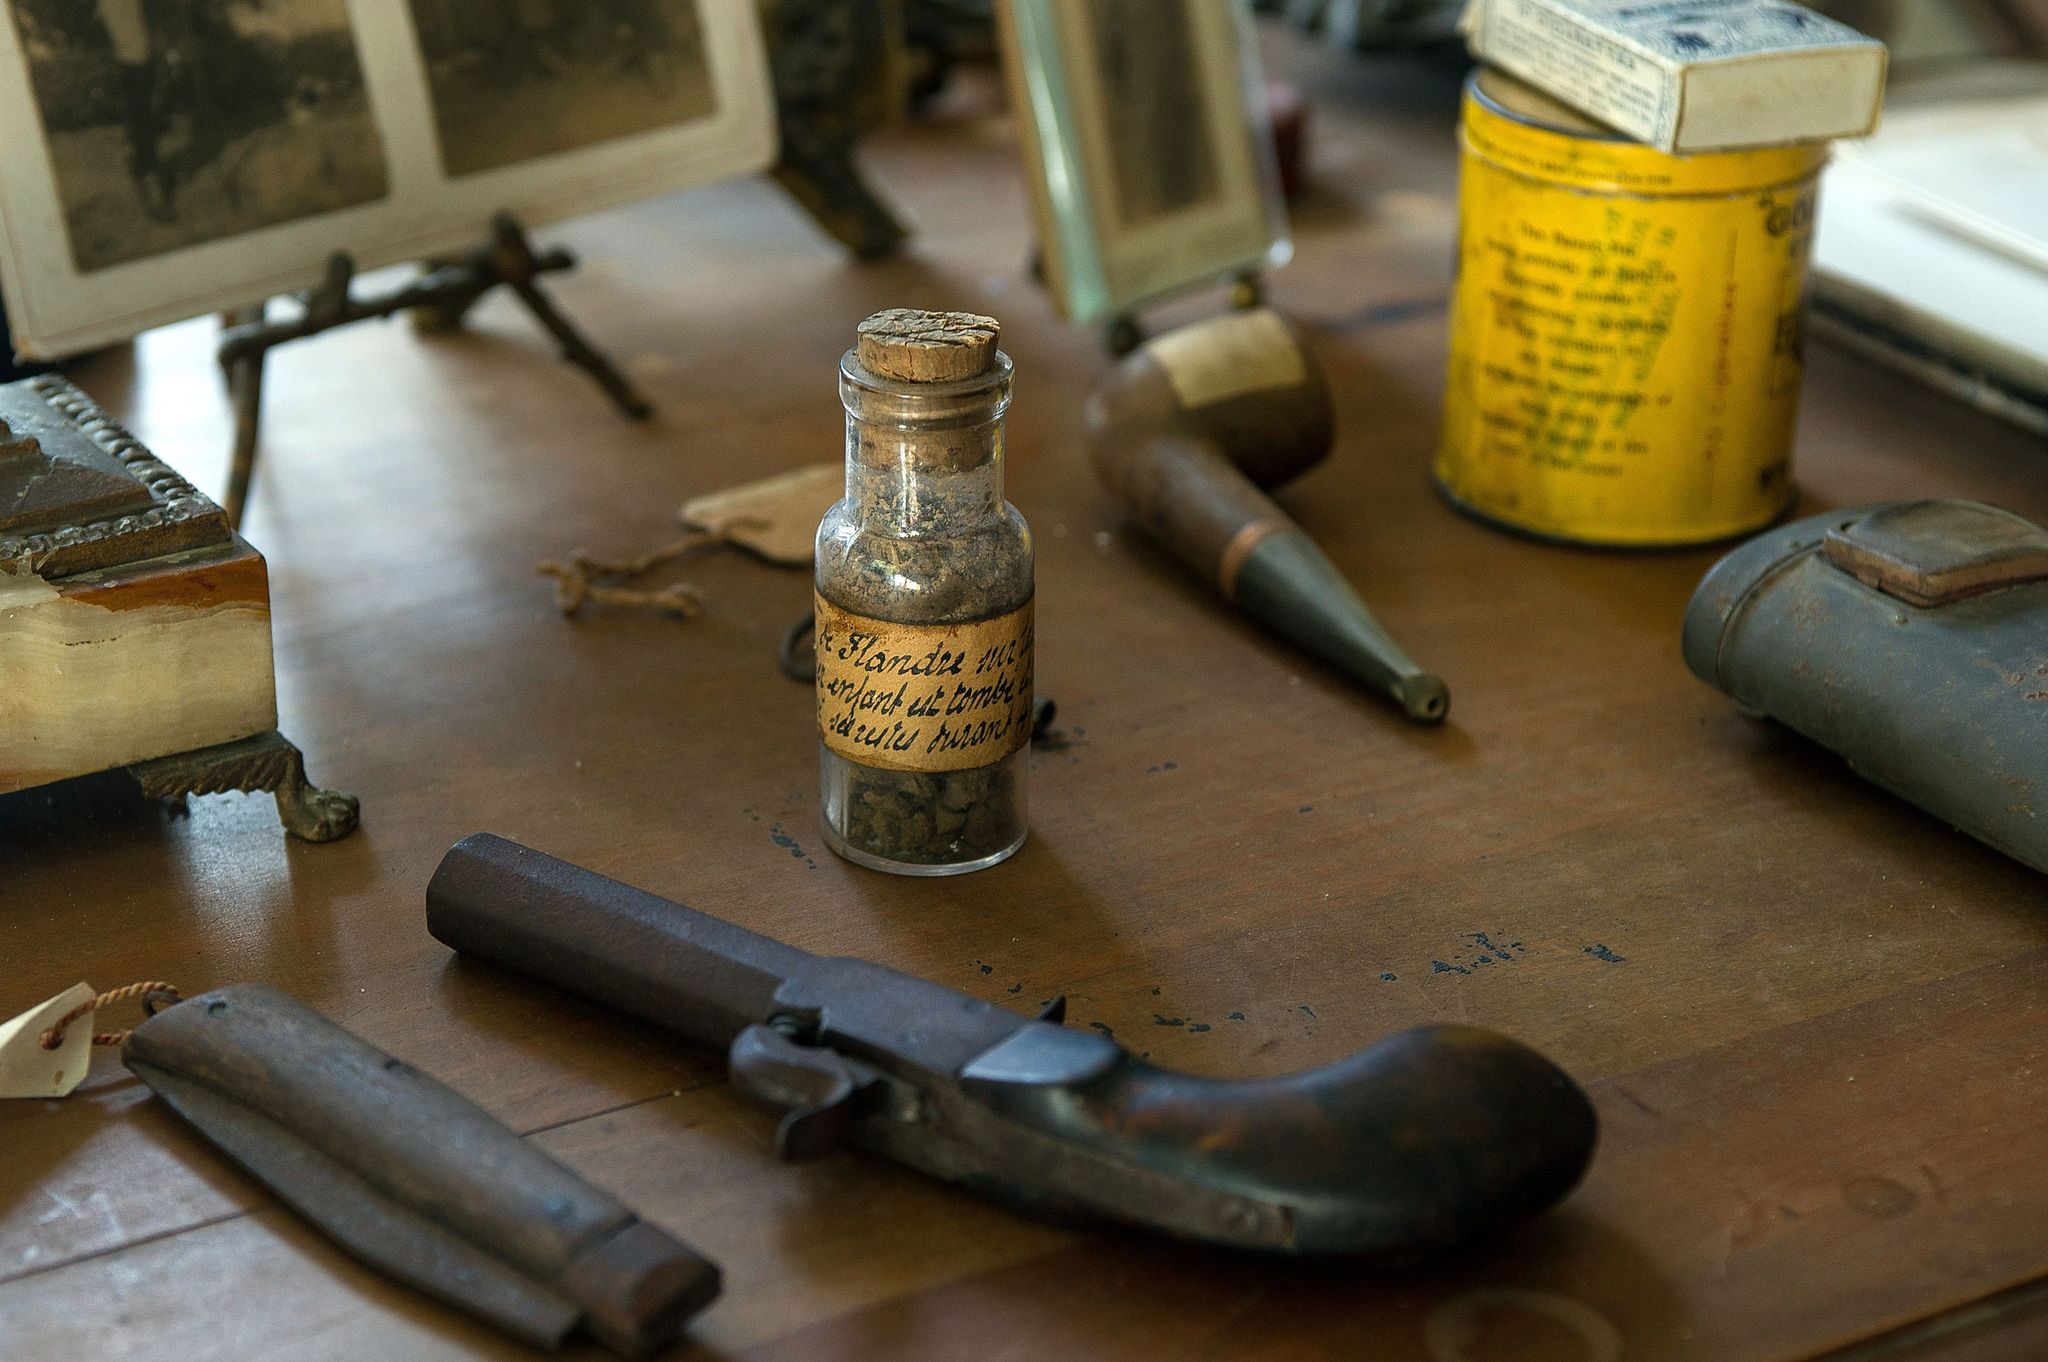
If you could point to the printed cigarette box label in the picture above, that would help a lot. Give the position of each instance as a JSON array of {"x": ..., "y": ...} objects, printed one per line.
[
  {"x": 1702, "y": 75},
  {"x": 923, "y": 697}
]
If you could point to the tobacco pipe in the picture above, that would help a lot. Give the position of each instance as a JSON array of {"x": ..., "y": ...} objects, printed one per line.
[
  {"x": 1420, "y": 1142},
  {"x": 1189, "y": 431}
]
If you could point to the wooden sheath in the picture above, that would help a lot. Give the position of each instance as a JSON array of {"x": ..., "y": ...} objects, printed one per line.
[{"x": 413, "y": 1177}]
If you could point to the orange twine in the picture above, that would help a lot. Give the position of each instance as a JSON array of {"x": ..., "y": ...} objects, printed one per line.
[{"x": 148, "y": 992}]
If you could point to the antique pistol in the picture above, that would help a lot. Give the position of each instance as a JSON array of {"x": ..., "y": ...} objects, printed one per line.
[
  {"x": 413, "y": 1178},
  {"x": 1415, "y": 1144}
]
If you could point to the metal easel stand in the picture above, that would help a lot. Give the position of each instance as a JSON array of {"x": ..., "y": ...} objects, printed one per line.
[
  {"x": 823, "y": 56},
  {"x": 439, "y": 299},
  {"x": 1123, "y": 332}
]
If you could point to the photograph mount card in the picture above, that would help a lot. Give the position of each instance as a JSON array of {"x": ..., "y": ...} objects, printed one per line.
[
  {"x": 168, "y": 159},
  {"x": 1146, "y": 146}
]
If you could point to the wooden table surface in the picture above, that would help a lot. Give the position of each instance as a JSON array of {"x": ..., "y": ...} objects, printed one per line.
[{"x": 1811, "y": 1017}]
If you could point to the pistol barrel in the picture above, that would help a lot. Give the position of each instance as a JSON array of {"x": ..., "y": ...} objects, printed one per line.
[{"x": 606, "y": 941}]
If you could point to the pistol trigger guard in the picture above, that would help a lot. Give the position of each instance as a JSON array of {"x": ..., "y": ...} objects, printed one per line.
[{"x": 815, "y": 1089}]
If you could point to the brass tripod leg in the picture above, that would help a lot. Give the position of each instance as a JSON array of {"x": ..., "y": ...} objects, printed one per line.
[
  {"x": 245, "y": 386},
  {"x": 245, "y": 390},
  {"x": 516, "y": 265}
]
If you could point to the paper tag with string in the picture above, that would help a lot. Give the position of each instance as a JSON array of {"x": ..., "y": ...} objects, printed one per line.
[
  {"x": 775, "y": 519},
  {"x": 46, "y": 1051},
  {"x": 29, "y": 1070}
]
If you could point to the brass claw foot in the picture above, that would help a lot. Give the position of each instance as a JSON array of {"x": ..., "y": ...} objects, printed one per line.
[{"x": 265, "y": 762}]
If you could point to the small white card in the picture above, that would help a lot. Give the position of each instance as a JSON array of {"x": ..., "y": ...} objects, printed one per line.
[{"x": 26, "y": 1068}]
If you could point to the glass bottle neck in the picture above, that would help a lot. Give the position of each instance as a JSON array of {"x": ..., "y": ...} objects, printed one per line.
[
  {"x": 900, "y": 489},
  {"x": 924, "y": 460}
]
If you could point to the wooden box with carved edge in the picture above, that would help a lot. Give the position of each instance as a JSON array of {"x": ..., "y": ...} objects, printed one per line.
[{"x": 134, "y": 621}]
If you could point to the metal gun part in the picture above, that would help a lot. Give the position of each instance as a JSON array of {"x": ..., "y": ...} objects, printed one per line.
[{"x": 1423, "y": 1141}]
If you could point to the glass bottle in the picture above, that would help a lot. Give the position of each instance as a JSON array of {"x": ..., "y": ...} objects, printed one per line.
[{"x": 924, "y": 595}]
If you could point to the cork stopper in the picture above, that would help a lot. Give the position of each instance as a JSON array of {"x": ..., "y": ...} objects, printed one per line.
[{"x": 914, "y": 346}]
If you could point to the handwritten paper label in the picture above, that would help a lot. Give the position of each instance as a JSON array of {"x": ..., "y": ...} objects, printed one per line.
[
  {"x": 26, "y": 1068},
  {"x": 1242, "y": 353},
  {"x": 923, "y": 697}
]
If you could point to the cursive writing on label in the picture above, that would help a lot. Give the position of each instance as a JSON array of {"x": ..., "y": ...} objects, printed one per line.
[{"x": 923, "y": 697}]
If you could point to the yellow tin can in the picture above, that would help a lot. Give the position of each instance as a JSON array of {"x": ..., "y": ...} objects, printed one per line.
[{"x": 1626, "y": 335}]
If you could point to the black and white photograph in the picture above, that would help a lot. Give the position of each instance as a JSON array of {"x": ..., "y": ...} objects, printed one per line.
[
  {"x": 175, "y": 122},
  {"x": 513, "y": 80},
  {"x": 1162, "y": 152},
  {"x": 161, "y": 159}
]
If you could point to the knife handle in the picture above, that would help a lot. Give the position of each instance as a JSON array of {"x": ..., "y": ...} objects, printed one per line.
[{"x": 414, "y": 1177}]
